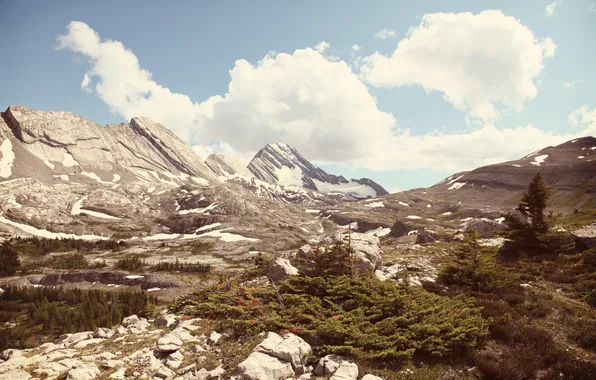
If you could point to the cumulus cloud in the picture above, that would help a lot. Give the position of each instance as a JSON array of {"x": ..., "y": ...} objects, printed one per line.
[
  {"x": 356, "y": 47},
  {"x": 117, "y": 78},
  {"x": 582, "y": 117},
  {"x": 550, "y": 9},
  {"x": 384, "y": 34},
  {"x": 322, "y": 46},
  {"x": 470, "y": 58},
  {"x": 572, "y": 83},
  {"x": 305, "y": 99}
]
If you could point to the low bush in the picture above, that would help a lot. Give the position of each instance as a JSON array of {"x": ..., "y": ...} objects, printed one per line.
[{"x": 357, "y": 316}]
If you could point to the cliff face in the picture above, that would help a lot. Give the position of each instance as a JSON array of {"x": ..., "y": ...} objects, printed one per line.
[{"x": 50, "y": 145}]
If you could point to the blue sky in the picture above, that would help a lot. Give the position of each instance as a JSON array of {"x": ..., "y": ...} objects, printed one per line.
[{"x": 467, "y": 87}]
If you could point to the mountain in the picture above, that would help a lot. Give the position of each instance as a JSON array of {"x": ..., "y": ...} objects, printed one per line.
[
  {"x": 227, "y": 166},
  {"x": 569, "y": 168},
  {"x": 282, "y": 164},
  {"x": 61, "y": 146}
]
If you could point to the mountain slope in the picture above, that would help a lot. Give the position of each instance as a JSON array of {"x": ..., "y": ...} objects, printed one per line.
[
  {"x": 282, "y": 164},
  {"x": 52, "y": 146},
  {"x": 570, "y": 169}
]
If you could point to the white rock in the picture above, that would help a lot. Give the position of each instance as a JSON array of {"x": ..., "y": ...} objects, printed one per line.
[
  {"x": 260, "y": 366},
  {"x": 10, "y": 354},
  {"x": 328, "y": 365},
  {"x": 289, "y": 348},
  {"x": 371, "y": 377},
  {"x": 17, "y": 374},
  {"x": 214, "y": 337},
  {"x": 120, "y": 374},
  {"x": 102, "y": 332},
  {"x": 85, "y": 371},
  {"x": 164, "y": 373},
  {"x": 165, "y": 320},
  {"x": 346, "y": 371},
  {"x": 69, "y": 339},
  {"x": 85, "y": 343},
  {"x": 169, "y": 343},
  {"x": 280, "y": 270}
]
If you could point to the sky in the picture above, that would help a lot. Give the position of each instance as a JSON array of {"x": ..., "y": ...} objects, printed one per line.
[{"x": 405, "y": 93}]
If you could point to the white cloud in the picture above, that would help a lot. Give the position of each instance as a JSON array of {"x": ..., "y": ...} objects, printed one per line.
[
  {"x": 550, "y": 8},
  {"x": 86, "y": 82},
  {"x": 384, "y": 34},
  {"x": 356, "y": 47},
  {"x": 470, "y": 59},
  {"x": 581, "y": 117},
  {"x": 322, "y": 46},
  {"x": 572, "y": 83},
  {"x": 124, "y": 86},
  {"x": 319, "y": 106},
  {"x": 592, "y": 7}
]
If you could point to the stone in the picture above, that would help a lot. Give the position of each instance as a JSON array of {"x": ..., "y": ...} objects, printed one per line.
[
  {"x": 280, "y": 270},
  {"x": 169, "y": 343},
  {"x": 458, "y": 237},
  {"x": 399, "y": 229},
  {"x": 260, "y": 366},
  {"x": 87, "y": 342},
  {"x": 289, "y": 348},
  {"x": 165, "y": 320},
  {"x": 86, "y": 371},
  {"x": 217, "y": 373},
  {"x": 214, "y": 337},
  {"x": 17, "y": 374},
  {"x": 70, "y": 339},
  {"x": 120, "y": 330},
  {"x": 164, "y": 373},
  {"x": 304, "y": 251},
  {"x": 175, "y": 359},
  {"x": 371, "y": 377},
  {"x": 328, "y": 365},
  {"x": 120, "y": 374},
  {"x": 367, "y": 249},
  {"x": 346, "y": 371},
  {"x": 426, "y": 236},
  {"x": 130, "y": 320},
  {"x": 10, "y": 354},
  {"x": 103, "y": 333},
  {"x": 486, "y": 228}
]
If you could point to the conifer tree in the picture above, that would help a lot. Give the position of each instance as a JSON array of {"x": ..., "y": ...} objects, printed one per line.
[
  {"x": 9, "y": 260},
  {"x": 534, "y": 201}
]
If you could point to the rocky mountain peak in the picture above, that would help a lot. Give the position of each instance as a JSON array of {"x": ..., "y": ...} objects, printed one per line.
[
  {"x": 282, "y": 164},
  {"x": 227, "y": 166}
]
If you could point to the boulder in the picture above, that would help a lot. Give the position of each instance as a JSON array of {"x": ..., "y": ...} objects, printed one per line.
[
  {"x": 585, "y": 236},
  {"x": 367, "y": 249},
  {"x": 346, "y": 371},
  {"x": 169, "y": 343},
  {"x": 371, "y": 377},
  {"x": 289, "y": 348},
  {"x": 304, "y": 251},
  {"x": 103, "y": 333},
  {"x": 426, "y": 236},
  {"x": 260, "y": 366},
  {"x": 86, "y": 371},
  {"x": 328, "y": 365},
  {"x": 164, "y": 373},
  {"x": 165, "y": 320},
  {"x": 10, "y": 354},
  {"x": 399, "y": 229},
  {"x": 70, "y": 339},
  {"x": 280, "y": 270},
  {"x": 17, "y": 374},
  {"x": 486, "y": 228}
]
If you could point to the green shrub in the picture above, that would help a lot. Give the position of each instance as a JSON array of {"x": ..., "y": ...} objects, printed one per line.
[
  {"x": 358, "y": 316},
  {"x": 71, "y": 261}
]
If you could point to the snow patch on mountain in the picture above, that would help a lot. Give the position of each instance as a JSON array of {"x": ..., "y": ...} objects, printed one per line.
[
  {"x": 7, "y": 159},
  {"x": 539, "y": 159}
]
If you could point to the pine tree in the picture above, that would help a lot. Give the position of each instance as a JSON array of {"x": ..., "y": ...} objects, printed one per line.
[
  {"x": 9, "y": 260},
  {"x": 525, "y": 237},
  {"x": 534, "y": 201}
]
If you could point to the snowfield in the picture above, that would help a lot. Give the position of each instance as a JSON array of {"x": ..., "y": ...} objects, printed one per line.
[
  {"x": 7, "y": 159},
  {"x": 539, "y": 159}
]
